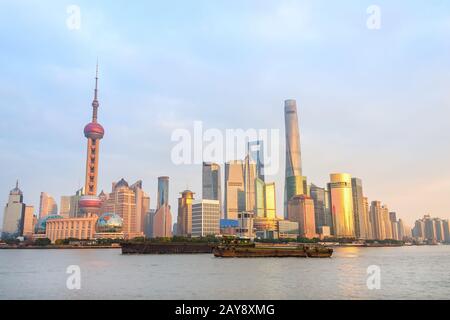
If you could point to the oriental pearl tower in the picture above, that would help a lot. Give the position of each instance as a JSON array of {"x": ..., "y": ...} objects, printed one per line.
[{"x": 90, "y": 203}]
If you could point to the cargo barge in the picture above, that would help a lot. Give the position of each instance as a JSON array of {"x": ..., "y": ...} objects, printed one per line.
[
  {"x": 253, "y": 251},
  {"x": 167, "y": 248}
]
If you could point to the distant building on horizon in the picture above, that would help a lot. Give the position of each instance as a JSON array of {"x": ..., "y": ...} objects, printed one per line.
[
  {"x": 13, "y": 214},
  {"x": 235, "y": 201},
  {"x": 163, "y": 192},
  {"x": 47, "y": 205},
  {"x": 184, "y": 220},
  {"x": 360, "y": 214},
  {"x": 211, "y": 182},
  {"x": 162, "y": 223}
]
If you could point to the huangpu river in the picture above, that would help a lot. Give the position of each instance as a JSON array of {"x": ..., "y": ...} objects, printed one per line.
[{"x": 400, "y": 273}]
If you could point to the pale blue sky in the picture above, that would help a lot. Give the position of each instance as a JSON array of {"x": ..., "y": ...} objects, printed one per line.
[{"x": 375, "y": 104}]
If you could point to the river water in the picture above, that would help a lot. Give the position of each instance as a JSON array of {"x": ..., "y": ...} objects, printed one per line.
[{"x": 405, "y": 273}]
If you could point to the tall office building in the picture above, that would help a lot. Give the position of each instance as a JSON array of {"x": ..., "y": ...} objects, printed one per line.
[
  {"x": 142, "y": 205},
  {"x": 401, "y": 230},
  {"x": 75, "y": 211},
  {"x": 430, "y": 228},
  {"x": 446, "y": 224},
  {"x": 342, "y": 205},
  {"x": 387, "y": 222},
  {"x": 122, "y": 201},
  {"x": 419, "y": 230},
  {"x": 256, "y": 154},
  {"x": 162, "y": 222},
  {"x": 47, "y": 205},
  {"x": 293, "y": 177},
  {"x": 250, "y": 175},
  {"x": 94, "y": 132},
  {"x": 367, "y": 214},
  {"x": 301, "y": 210},
  {"x": 13, "y": 214},
  {"x": 163, "y": 192},
  {"x": 235, "y": 200},
  {"x": 64, "y": 207},
  {"x": 322, "y": 211},
  {"x": 211, "y": 186},
  {"x": 206, "y": 218},
  {"x": 359, "y": 213},
  {"x": 440, "y": 235},
  {"x": 377, "y": 221},
  {"x": 184, "y": 221},
  {"x": 28, "y": 222}
]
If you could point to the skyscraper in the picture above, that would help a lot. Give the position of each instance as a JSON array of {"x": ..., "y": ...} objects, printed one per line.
[
  {"x": 163, "y": 192},
  {"x": 342, "y": 205},
  {"x": 360, "y": 215},
  {"x": 47, "y": 205},
  {"x": 211, "y": 186},
  {"x": 293, "y": 177},
  {"x": 250, "y": 176},
  {"x": 28, "y": 222},
  {"x": 301, "y": 210},
  {"x": 234, "y": 189},
  {"x": 377, "y": 221},
  {"x": 206, "y": 218},
  {"x": 162, "y": 222},
  {"x": 13, "y": 214},
  {"x": 387, "y": 222},
  {"x": 322, "y": 211},
  {"x": 256, "y": 154},
  {"x": 64, "y": 208},
  {"x": 122, "y": 201},
  {"x": 94, "y": 132},
  {"x": 184, "y": 221}
]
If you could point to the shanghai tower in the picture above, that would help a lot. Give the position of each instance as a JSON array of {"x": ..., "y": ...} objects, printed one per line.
[{"x": 293, "y": 177}]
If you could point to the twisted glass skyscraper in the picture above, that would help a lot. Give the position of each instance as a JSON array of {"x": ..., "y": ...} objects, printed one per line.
[{"x": 294, "y": 179}]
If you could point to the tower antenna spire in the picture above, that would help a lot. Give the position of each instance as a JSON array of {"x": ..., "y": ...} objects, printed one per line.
[{"x": 95, "y": 103}]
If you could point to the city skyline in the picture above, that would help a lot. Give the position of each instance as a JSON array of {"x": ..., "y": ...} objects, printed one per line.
[{"x": 51, "y": 94}]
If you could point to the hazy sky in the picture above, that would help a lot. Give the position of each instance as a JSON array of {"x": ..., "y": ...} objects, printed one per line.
[{"x": 373, "y": 103}]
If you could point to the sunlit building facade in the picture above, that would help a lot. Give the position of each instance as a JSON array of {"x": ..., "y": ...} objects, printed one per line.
[
  {"x": 162, "y": 223},
  {"x": 47, "y": 205},
  {"x": 58, "y": 228},
  {"x": 301, "y": 210},
  {"x": 377, "y": 221},
  {"x": 342, "y": 205},
  {"x": 184, "y": 221},
  {"x": 359, "y": 213},
  {"x": 235, "y": 200}
]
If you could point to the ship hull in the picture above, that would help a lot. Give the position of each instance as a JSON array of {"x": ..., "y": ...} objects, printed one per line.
[{"x": 271, "y": 253}]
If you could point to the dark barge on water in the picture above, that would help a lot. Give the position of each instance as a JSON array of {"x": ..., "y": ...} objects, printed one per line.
[
  {"x": 167, "y": 248},
  {"x": 230, "y": 249},
  {"x": 270, "y": 251}
]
